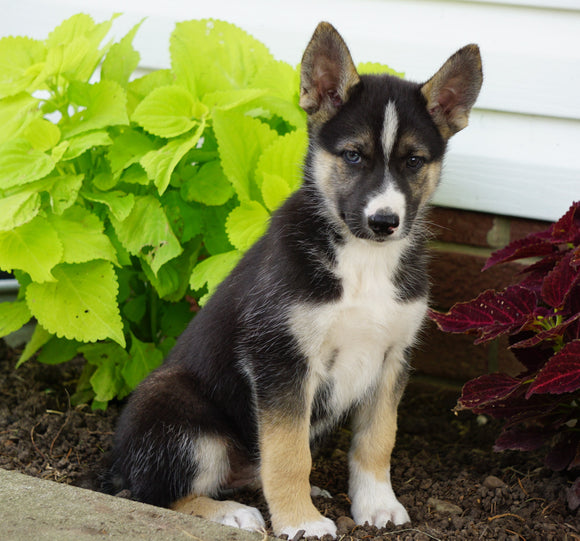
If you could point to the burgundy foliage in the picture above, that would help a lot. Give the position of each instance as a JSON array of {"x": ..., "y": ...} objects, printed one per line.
[{"x": 541, "y": 317}]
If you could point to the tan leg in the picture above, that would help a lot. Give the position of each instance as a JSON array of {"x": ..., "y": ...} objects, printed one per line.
[
  {"x": 285, "y": 469},
  {"x": 374, "y": 432}
]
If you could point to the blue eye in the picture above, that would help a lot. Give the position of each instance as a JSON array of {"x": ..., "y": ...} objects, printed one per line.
[{"x": 352, "y": 156}]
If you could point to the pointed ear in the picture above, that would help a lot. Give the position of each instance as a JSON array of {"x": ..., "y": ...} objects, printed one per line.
[
  {"x": 327, "y": 73},
  {"x": 452, "y": 91}
]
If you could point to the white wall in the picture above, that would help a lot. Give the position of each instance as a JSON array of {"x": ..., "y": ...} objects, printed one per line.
[{"x": 519, "y": 155}]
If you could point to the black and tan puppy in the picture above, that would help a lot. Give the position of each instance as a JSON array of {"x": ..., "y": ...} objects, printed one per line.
[{"x": 316, "y": 321}]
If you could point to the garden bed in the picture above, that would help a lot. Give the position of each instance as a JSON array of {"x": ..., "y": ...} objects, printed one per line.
[{"x": 444, "y": 470}]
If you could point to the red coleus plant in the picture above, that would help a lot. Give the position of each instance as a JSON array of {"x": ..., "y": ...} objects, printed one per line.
[{"x": 541, "y": 316}]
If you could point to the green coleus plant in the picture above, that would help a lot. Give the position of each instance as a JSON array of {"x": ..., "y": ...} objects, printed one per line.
[{"x": 125, "y": 201}]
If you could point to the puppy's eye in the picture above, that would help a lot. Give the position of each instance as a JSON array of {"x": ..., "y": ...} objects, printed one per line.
[
  {"x": 415, "y": 162},
  {"x": 352, "y": 156}
]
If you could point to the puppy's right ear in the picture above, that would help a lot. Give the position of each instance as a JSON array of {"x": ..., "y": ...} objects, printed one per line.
[{"x": 327, "y": 73}]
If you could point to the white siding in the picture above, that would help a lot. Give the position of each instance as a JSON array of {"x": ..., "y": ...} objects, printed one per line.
[{"x": 518, "y": 157}]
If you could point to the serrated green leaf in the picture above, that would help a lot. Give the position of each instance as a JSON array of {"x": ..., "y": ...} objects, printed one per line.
[
  {"x": 146, "y": 232},
  {"x": 13, "y": 315},
  {"x": 41, "y": 134},
  {"x": 142, "y": 86},
  {"x": 106, "y": 380},
  {"x": 73, "y": 48},
  {"x": 209, "y": 185},
  {"x": 33, "y": 247},
  {"x": 58, "y": 350},
  {"x": 82, "y": 237},
  {"x": 128, "y": 148},
  {"x": 246, "y": 224},
  {"x": 81, "y": 304},
  {"x": 20, "y": 163},
  {"x": 81, "y": 143},
  {"x": 284, "y": 158},
  {"x": 209, "y": 55},
  {"x": 185, "y": 219},
  {"x": 119, "y": 203},
  {"x": 105, "y": 105},
  {"x": 160, "y": 164},
  {"x": 18, "y": 209},
  {"x": 215, "y": 238},
  {"x": 39, "y": 338},
  {"x": 63, "y": 191},
  {"x": 122, "y": 59},
  {"x": 135, "y": 309},
  {"x": 239, "y": 155},
  {"x": 212, "y": 271},
  {"x": 231, "y": 99},
  {"x": 169, "y": 111},
  {"x": 275, "y": 190},
  {"x": 144, "y": 357},
  {"x": 21, "y": 61},
  {"x": 16, "y": 112}
]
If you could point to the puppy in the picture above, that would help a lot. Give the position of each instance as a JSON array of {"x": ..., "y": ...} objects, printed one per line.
[{"x": 316, "y": 321}]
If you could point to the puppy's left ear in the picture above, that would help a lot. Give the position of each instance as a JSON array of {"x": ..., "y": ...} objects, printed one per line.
[
  {"x": 452, "y": 91},
  {"x": 327, "y": 73}
]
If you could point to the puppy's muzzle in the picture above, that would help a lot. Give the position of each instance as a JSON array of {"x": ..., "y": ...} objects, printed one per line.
[{"x": 383, "y": 223}]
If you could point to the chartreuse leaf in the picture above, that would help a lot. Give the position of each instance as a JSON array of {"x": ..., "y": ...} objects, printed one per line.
[
  {"x": 169, "y": 111},
  {"x": 82, "y": 237},
  {"x": 16, "y": 112},
  {"x": 41, "y": 134},
  {"x": 144, "y": 357},
  {"x": 72, "y": 48},
  {"x": 375, "y": 67},
  {"x": 209, "y": 185},
  {"x": 278, "y": 172},
  {"x": 146, "y": 232},
  {"x": 18, "y": 209},
  {"x": 21, "y": 61},
  {"x": 105, "y": 104},
  {"x": 108, "y": 358},
  {"x": 246, "y": 224},
  {"x": 39, "y": 338},
  {"x": 128, "y": 148},
  {"x": 122, "y": 59},
  {"x": 209, "y": 55},
  {"x": 160, "y": 164},
  {"x": 58, "y": 350},
  {"x": 20, "y": 163},
  {"x": 119, "y": 203},
  {"x": 239, "y": 155},
  {"x": 142, "y": 86},
  {"x": 81, "y": 304},
  {"x": 81, "y": 143},
  {"x": 13, "y": 315},
  {"x": 33, "y": 247},
  {"x": 212, "y": 271}
]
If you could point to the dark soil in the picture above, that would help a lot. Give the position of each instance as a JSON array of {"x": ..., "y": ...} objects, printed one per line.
[{"x": 444, "y": 470}]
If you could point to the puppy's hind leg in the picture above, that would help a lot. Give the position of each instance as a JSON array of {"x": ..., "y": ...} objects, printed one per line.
[{"x": 212, "y": 462}]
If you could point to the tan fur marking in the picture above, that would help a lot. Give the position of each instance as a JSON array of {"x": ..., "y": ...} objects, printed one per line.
[
  {"x": 375, "y": 428},
  {"x": 285, "y": 468},
  {"x": 200, "y": 506}
]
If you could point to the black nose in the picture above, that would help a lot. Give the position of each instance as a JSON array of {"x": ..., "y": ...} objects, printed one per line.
[{"x": 383, "y": 223}]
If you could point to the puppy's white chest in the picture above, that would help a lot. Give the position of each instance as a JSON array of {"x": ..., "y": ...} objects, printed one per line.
[{"x": 351, "y": 341}]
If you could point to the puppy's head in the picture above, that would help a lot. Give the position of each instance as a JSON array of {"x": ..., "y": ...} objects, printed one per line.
[{"x": 376, "y": 141}]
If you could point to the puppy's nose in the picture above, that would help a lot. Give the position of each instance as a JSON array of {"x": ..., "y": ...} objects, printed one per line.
[{"x": 383, "y": 223}]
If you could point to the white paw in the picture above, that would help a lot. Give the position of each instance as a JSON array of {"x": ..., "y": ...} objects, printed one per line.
[
  {"x": 317, "y": 491},
  {"x": 318, "y": 528},
  {"x": 379, "y": 517},
  {"x": 241, "y": 516}
]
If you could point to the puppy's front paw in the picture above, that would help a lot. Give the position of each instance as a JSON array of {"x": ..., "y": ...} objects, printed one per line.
[
  {"x": 242, "y": 516},
  {"x": 317, "y": 528},
  {"x": 379, "y": 516}
]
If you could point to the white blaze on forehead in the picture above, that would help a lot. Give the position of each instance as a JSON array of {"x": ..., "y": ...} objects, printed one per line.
[{"x": 390, "y": 128}]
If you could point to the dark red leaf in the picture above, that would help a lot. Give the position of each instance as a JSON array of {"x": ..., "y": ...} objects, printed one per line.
[
  {"x": 561, "y": 373},
  {"x": 559, "y": 282},
  {"x": 520, "y": 439},
  {"x": 491, "y": 314},
  {"x": 567, "y": 228},
  {"x": 563, "y": 452},
  {"x": 531, "y": 246},
  {"x": 486, "y": 389},
  {"x": 533, "y": 358}
]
